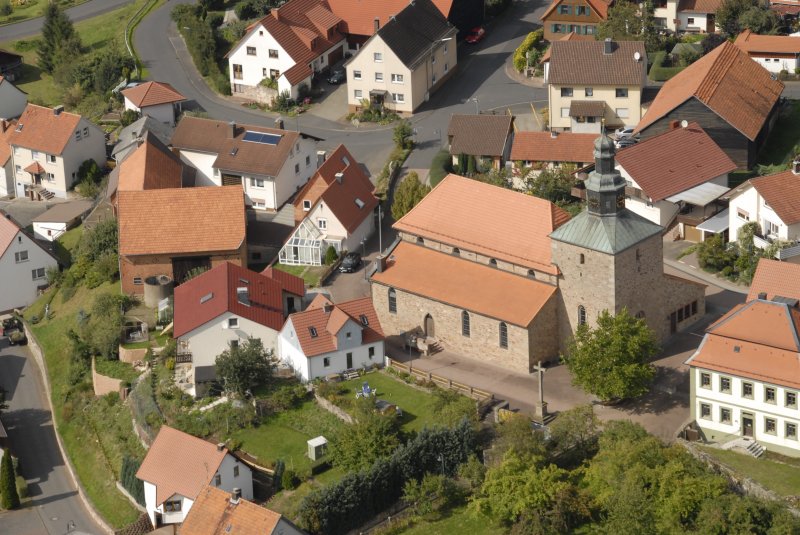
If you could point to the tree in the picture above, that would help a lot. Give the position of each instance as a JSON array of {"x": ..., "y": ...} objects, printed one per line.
[
  {"x": 408, "y": 194},
  {"x": 611, "y": 361},
  {"x": 433, "y": 493},
  {"x": 711, "y": 41},
  {"x": 749, "y": 254},
  {"x": 733, "y": 16},
  {"x": 9, "y": 498},
  {"x": 104, "y": 330},
  {"x": 403, "y": 134},
  {"x": 331, "y": 255},
  {"x": 628, "y": 22},
  {"x": 57, "y": 34},
  {"x": 371, "y": 437},
  {"x": 759, "y": 19},
  {"x": 555, "y": 185},
  {"x": 5, "y": 8},
  {"x": 516, "y": 434},
  {"x": 245, "y": 366},
  {"x": 575, "y": 428}
]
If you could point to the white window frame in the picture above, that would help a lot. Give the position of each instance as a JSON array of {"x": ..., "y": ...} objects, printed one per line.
[
  {"x": 377, "y": 57},
  {"x": 272, "y": 53},
  {"x": 233, "y": 323},
  {"x": 397, "y": 78},
  {"x": 357, "y": 93},
  {"x": 322, "y": 223},
  {"x": 399, "y": 98},
  {"x": 306, "y": 205},
  {"x": 21, "y": 256},
  {"x": 356, "y": 75},
  {"x": 250, "y": 49},
  {"x": 622, "y": 113},
  {"x": 564, "y": 113},
  {"x": 379, "y": 77},
  {"x": 256, "y": 182}
]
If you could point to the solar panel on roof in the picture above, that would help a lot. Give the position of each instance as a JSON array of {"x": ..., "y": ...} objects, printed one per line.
[{"x": 260, "y": 137}]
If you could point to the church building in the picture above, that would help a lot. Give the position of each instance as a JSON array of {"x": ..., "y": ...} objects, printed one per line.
[{"x": 506, "y": 277}]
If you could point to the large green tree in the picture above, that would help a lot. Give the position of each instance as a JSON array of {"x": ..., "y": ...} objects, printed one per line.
[
  {"x": 59, "y": 40},
  {"x": 611, "y": 360},
  {"x": 733, "y": 16},
  {"x": 630, "y": 21},
  {"x": 371, "y": 437},
  {"x": 245, "y": 366},
  {"x": 555, "y": 185},
  {"x": 9, "y": 499},
  {"x": 408, "y": 194}
]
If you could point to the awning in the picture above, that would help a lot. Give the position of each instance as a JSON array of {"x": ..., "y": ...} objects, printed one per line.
[
  {"x": 715, "y": 224},
  {"x": 700, "y": 195},
  {"x": 35, "y": 168},
  {"x": 587, "y": 108}
]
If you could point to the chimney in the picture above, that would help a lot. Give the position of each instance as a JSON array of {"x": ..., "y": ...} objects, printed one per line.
[
  {"x": 339, "y": 177},
  {"x": 553, "y": 134},
  {"x": 762, "y": 296},
  {"x": 57, "y": 110},
  {"x": 674, "y": 124},
  {"x": 327, "y": 308},
  {"x": 796, "y": 166},
  {"x": 4, "y": 126},
  {"x": 279, "y": 123},
  {"x": 236, "y": 495},
  {"x": 220, "y": 446},
  {"x": 380, "y": 264},
  {"x": 321, "y": 157},
  {"x": 232, "y": 129},
  {"x": 377, "y": 24},
  {"x": 608, "y": 46}
]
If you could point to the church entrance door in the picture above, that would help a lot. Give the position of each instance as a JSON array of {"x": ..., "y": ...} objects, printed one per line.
[{"x": 429, "y": 332}]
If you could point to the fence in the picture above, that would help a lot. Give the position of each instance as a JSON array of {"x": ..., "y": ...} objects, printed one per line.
[{"x": 471, "y": 391}]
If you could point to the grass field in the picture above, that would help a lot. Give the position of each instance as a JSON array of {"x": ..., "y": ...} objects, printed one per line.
[
  {"x": 310, "y": 274},
  {"x": 116, "y": 369},
  {"x": 459, "y": 521},
  {"x": 33, "y": 9},
  {"x": 783, "y": 478},
  {"x": 784, "y": 137}
]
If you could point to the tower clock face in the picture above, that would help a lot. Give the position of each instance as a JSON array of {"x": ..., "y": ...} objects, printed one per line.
[{"x": 621, "y": 201}]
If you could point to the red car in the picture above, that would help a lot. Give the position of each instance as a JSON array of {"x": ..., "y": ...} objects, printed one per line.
[{"x": 475, "y": 34}]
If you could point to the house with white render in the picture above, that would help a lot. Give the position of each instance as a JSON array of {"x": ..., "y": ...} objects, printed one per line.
[{"x": 23, "y": 266}]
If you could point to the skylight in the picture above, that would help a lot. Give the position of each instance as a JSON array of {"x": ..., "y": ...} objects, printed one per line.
[
  {"x": 359, "y": 203},
  {"x": 364, "y": 320},
  {"x": 206, "y": 298},
  {"x": 313, "y": 331},
  {"x": 345, "y": 161},
  {"x": 260, "y": 137}
]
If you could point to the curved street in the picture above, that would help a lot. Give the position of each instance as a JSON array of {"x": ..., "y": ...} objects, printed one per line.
[{"x": 87, "y": 10}]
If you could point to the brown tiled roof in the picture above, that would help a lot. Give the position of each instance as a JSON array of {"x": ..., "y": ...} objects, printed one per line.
[
  {"x": 152, "y": 94},
  {"x": 583, "y": 62},
  {"x": 699, "y": 6},
  {"x": 40, "y": 129},
  {"x": 571, "y": 36},
  {"x": 6, "y": 129},
  {"x": 781, "y": 44},
  {"x": 35, "y": 168},
  {"x": 179, "y": 463},
  {"x": 340, "y": 197},
  {"x": 757, "y": 340},
  {"x": 598, "y": 6},
  {"x": 213, "y": 513},
  {"x": 264, "y": 303},
  {"x": 289, "y": 283},
  {"x": 726, "y": 80},
  {"x": 150, "y": 166},
  {"x": 782, "y": 192},
  {"x": 359, "y": 15},
  {"x": 479, "y": 135},
  {"x": 489, "y": 220},
  {"x": 544, "y": 147},
  {"x": 8, "y": 230},
  {"x": 327, "y": 319},
  {"x": 675, "y": 161},
  {"x": 181, "y": 221},
  {"x": 233, "y": 153},
  {"x": 587, "y": 108},
  {"x": 464, "y": 284},
  {"x": 775, "y": 278}
]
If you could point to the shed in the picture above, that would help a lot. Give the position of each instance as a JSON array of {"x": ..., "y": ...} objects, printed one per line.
[{"x": 317, "y": 447}]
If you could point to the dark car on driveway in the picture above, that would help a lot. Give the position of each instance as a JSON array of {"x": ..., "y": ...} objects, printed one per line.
[
  {"x": 337, "y": 77},
  {"x": 350, "y": 263}
]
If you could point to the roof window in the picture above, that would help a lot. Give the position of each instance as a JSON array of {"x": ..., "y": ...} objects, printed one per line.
[
  {"x": 19, "y": 127},
  {"x": 206, "y": 298},
  {"x": 312, "y": 331},
  {"x": 359, "y": 203},
  {"x": 364, "y": 320}
]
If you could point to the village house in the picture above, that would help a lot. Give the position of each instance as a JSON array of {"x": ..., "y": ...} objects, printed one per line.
[
  {"x": 775, "y": 278},
  {"x": 775, "y": 53},
  {"x": 541, "y": 273},
  {"x": 595, "y": 83},
  {"x": 60, "y": 218},
  {"x": 330, "y": 338},
  {"x": 271, "y": 164},
  {"x": 157, "y": 100},
  {"x": 772, "y": 201},
  {"x": 48, "y": 147},
  {"x": 6, "y": 166},
  {"x": 285, "y": 50},
  {"x": 336, "y": 208},
  {"x": 404, "y": 62},
  {"x": 222, "y": 308},
  {"x": 580, "y": 17},
  {"x": 728, "y": 94},
  {"x": 690, "y": 16},
  {"x": 174, "y": 231},
  {"x": 551, "y": 150},
  {"x": 484, "y": 139},
  {"x": 12, "y": 100},
  {"x": 23, "y": 266},
  {"x": 216, "y": 512},
  {"x": 130, "y": 137},
  {"x": 176, "y": 469}
]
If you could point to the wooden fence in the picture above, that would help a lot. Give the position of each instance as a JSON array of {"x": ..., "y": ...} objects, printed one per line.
[{"x": 474, "y": 393}]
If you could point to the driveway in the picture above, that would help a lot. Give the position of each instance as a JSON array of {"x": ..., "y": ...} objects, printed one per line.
[
  {"x": 55, "y": 504},
  {"x": 87, "y": 10}
]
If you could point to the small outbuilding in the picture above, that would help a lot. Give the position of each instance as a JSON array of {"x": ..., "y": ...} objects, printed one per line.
[
  {"x": 317, "y": 448},
  {"x": 59, "y": 219}
]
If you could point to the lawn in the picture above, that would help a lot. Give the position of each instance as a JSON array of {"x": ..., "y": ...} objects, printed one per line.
[
  {"x": 96, "y": 433},
  {"x": 439, "y": 167},
  {"x": 783, "y": 478},
  {"x": 459, "y": 521},
  {"x": 783, "y": 139},
  {"x": 310, "y": 274},
  {"x": 116, "y": 369},
  {"x": 33, "y": 9}
]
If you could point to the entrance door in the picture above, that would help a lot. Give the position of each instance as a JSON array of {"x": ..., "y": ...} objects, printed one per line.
[
  {"x": 747, "y": 425},
  {"x": 349, "y": 361},
  {"x": 429, "y": 332},
  {"x": 710, "y": 23},
  {"x": 673, "y": 323}
]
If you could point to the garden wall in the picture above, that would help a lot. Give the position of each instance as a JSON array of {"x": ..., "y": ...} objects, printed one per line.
[{"x": 131, "y": 355}]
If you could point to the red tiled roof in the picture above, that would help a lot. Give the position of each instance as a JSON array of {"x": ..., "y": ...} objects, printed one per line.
[
  {"x": 543, "y": 147},
  {"x": 40, "y": 129},
  {"x": 781, "y": 44},
  {"x": 327, "y": 319},
  {"x": 571, "y": 36},
  {"x": 775, "y": 278},
  {"x": 489, "y": 220},
  {"x": 35, "y": 168},
  {"x": 653, "y": 164},
  {"x": 152, "y": 94},
  {"x": 179, "y": 463},
  {"x": 213, "y": 513},
  {"x": 726, "y": 80},
  {"x": 782, "y": 192},
  {"x": 6, "y": 129},
  {"x": 289, "y": 283},
  {"x": 699, "y": 6},
  {"x": 359, "y": 15},
  {"x": 585, "y": 62},
  {"x": 150, "y": 166},
  {"x": 8, "y": 230},
  {"x": 193, "y": 309}
]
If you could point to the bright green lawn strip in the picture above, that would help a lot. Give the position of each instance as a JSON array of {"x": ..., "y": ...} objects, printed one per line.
[
  {"x": 310, "y": 274},
  {"x": 439, "y": 167},
  {"x": 459, "y": 521},
  {"x": 781, "y": 478},
  {"x": 116, "y": 369},
  {"x": 70, "y": 238},
  {"x": 33, "y": 9},
  {"x": 137, "y": 345},
  {"x": 785, "y": 135}
]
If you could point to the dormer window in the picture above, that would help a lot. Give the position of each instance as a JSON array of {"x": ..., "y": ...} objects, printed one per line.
[{"x": 306, "y": 205}]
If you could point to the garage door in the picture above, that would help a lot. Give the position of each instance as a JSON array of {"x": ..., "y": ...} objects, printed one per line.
[
  {"x": 690, "y": 233},
  {"x": 335, "y": 56}
]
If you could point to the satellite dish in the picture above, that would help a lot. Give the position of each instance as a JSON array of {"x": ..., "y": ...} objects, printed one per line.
[
  {"x": 684, "y": 123},
  {"x": 637, "y": 56}
]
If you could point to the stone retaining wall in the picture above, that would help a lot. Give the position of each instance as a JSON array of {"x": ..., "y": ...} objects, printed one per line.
[
  {"x": 131, "y": 355},
  {"x": 103, "y": 384}
]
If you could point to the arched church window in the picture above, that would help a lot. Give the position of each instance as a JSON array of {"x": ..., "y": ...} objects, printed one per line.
[{"x": 581, "y": 315}]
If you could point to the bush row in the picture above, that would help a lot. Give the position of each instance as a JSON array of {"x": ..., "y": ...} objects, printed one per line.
[{"x": 658, "y": 72}]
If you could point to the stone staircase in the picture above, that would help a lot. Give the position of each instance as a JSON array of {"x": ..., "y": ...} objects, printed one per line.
[
  {"x": 46, "y": 194},
  {"x": 755, "y": 449},
  {"x": 745, "y": 444}
]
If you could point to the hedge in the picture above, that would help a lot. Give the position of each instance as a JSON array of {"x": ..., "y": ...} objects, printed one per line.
[
  {"x": 359, "y": 496},
  {"x": 658, "y": 72},
  {"x": 128, "y": 478},
  {"x": 528, "y": 44}
]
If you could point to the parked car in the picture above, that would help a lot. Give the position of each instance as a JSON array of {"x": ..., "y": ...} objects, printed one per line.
[
  {"x": 624, "y": 132},
  {"x": 337, "y": 77},
  {"x": 625, "y": 142},
  {"x": 475, "y": 35},
  {"x": 13, "y": 329},
  {"x": 350, "y": 263}
]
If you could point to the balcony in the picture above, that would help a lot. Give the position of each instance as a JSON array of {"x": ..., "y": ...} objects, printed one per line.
[
  {"x": 791, "y": 250},
  {"x": 184, "y": 356}
]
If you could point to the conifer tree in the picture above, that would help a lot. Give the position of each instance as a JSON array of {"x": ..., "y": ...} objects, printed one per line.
[
  {"x": 9, "y": 499},
  {"x": 58, "y": 35}
]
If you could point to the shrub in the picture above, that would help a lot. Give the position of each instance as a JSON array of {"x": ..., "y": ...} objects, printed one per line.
[
  {"x": 5, "y": 8},
  {"x": 528, "y": 44},
  {"x": 660, "y": 73},
  {"x": 128, "y": 117},
  {"x": 9, "y": 498},
  {"x": 331, "y": 255},
  {"x": 289, "y": 480}
]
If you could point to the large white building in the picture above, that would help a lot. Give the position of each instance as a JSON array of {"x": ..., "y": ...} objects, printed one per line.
[{"x": 23, "y": 266}]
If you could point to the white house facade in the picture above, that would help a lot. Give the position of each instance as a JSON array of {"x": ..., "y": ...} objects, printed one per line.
[
  {"x": 23, "y": 266},
  {"x": 157, "y": 100},
  {"x": 775, "y": 53}
]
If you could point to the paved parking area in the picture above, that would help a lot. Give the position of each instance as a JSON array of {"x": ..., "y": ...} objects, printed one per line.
[
  {"x": 333, "y": 104},
  {"x": 24, "y": 211}
]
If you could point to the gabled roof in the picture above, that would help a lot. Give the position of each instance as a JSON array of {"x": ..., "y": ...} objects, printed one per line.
[
  {"x": 151, "y": 166},
  {"x": 179, "y": 463},
  {"x": 130, "y": 135},
  {"x": 181, "y": 221},
  {"x": 464, "y": 284},
  {"x": 489, "y": 220},
  {"x": 226, "y": 140},
  {"x": 732, "y": 85},
  {"x": 775, "y": 278},
  {"x": 584, "y": 62},
  {"x": 318, "y": 325},
  {"x": 782, "y": 192},
  {"x": 210, "y": 294},
  {"x": 699, "y": 6},
  {"x": 213, "y": 513},
  {"x": 571, "y": 36},
  {"x": 64, "y": 212},
  {"x": 289, "y": 283},
  {"x": 359, "y": 15},
  {"x": 6, "y": 129},
  {"x": 782, "y": 44},
  {"x": 757, "y": 340},
  {"x": 40, "y": 129},
  {"x": 412, "y": 32},
  {"x": 675, "y": 161},
  {"x": 479, "y": 135},
  {"x": 352, "y": 200},
  {"x": 8, "y": 231},
  {"x": 545, "y": 147},
  {"x": 152, "y": 94},
  {"x": 598, "y": 6}
]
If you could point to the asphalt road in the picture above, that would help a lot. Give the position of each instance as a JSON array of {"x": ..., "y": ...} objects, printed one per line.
[
  {"x": 87, "y": 10},
  {"x": 55, "y": 501}
]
